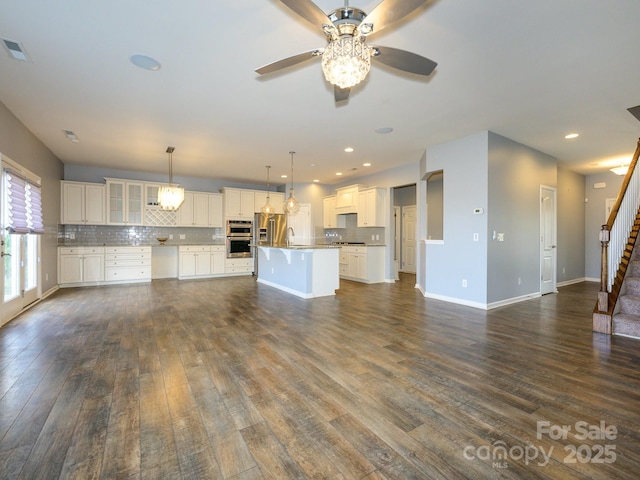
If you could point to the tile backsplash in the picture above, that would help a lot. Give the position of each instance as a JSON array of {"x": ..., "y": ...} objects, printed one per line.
[{"x": 136, "y": 235}]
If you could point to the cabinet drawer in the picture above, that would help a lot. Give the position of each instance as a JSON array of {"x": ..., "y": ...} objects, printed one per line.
[
  {"x": 217, "y": 248},
  {"x": 128, "y": 256},
  {"x": 127, "y": 273},
  {"x": 80, "y": 250},
  {"x": 344, "y": 269},
  {"x": 128, "y": 250},
  {"x": 239, "y": 262},
  {"x": 344, "y": 257},
  {"x": 128, "y": 263},
  {"x": 238, "y": 269},
  {"x": 194, "y": 248}
]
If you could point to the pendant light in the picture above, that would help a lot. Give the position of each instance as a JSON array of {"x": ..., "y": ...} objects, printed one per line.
[
  {"x": 291, "y": 206},
  {"x": 268, "y": 209},
  {"x": 171, "y": 196}
]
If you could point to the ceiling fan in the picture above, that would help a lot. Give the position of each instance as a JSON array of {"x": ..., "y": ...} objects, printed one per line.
[{"x": 346, "y": 59}]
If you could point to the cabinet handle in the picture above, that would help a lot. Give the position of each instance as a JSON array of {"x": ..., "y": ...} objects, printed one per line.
[{"x": 3, "y": 254}]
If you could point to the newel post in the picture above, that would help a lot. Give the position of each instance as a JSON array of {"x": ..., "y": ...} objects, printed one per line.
[{"x": 603, "y": 294}]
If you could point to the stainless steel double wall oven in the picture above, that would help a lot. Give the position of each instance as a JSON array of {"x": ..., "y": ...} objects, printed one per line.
[{"x": 239, "y": 238}]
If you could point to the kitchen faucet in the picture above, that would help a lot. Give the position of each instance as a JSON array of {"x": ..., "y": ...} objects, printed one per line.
[{"x": 290, "y": 236}]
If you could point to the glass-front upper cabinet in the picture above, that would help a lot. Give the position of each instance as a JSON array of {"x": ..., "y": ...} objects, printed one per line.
[
  {"x": 124, "y": 202},
  {"x": 151, "y": 195}
]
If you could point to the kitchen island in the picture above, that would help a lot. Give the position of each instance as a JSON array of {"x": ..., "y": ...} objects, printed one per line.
[{"x": 306, "y": 271}]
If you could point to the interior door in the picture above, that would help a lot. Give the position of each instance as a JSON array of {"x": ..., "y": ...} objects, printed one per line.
[
  {"x": 301, "y": 225},
  {"x": 548, "y": 236},
  {"x": 409, "y": 243},
  {"x": 397, "y": 236}
]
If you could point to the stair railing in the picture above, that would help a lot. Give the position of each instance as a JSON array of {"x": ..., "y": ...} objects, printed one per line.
[{"x": 614, "y": 238}]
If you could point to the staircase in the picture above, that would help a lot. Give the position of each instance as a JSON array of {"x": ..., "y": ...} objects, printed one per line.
[
  {"x": 627, "y": 320},
  {"x": 617, "y": 310}
]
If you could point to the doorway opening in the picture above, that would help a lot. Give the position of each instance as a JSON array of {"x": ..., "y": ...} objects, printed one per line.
[{"x": 404, "y": 236}]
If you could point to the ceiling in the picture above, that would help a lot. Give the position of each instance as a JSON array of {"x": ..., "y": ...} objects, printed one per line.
[{"x": 531, "y": 71}]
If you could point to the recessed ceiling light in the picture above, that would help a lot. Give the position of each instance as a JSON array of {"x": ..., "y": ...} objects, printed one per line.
[
  {"x": 145, "y": 62},
  {"x": 283, "y": 176},
  {"x": 338, "y": 173},
  {"x": 569, "y": 136},
  {"x": 366, "y": 164},
  {"x": 71, "y": 136},
  {"x": 348, "y": 149},
  {"x": 384, "y": 130},
  {"x": 315, "y": 180}
]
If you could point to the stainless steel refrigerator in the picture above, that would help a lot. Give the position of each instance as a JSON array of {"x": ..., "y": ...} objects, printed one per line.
[{"x": 268, "y": 231}]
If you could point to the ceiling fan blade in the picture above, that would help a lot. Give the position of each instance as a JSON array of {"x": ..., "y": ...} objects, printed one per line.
[
  {"x": 390, "y": 11},
  {"x": 309, "y": 11},
  {"x": 405, "y": 61},
  {"x": 341, "y": 93},
  {"x": 287, "y": 62}
]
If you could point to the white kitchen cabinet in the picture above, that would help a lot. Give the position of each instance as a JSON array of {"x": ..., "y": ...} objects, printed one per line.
[
  {"x": 275, "y": 198},
  {"x": 347, "y": 199},
  {"x": 82, "y": 203},
  {"x": 362, "y": 263},
  {"x": 80, "y": 265},
  {"x": 215, "y": 210},
  {"x": 127, "y": 264},
  {"x": 329, "y": 217},
  {"x": 194, "y": 261},
  {"x": 238, "y": 266},
  {"x": 194, "y": 211},
  {"x": 125, "y": 203},
  {"x": 218, "y": 254},
  {"x": 370, "y": 207},
  {"x": 239, "y": 203}
]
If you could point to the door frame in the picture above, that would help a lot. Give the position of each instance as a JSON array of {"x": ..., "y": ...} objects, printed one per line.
[{"x": 552, "y": 286}]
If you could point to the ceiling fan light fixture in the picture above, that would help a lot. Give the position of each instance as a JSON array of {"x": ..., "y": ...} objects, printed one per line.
[{"x": 346, "y": 61}]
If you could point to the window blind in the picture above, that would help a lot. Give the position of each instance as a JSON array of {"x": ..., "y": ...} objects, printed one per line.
[
  {"x": 23, "y": 204},
  {"x": 34, "y": 208}
]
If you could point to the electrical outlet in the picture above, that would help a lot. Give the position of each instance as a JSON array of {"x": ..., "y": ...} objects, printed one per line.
[
  {"x": 373, "y": 237},
  {"x": 182, "y": 236},
  {"x": 377, "y": 236},
  {"x": 46, "y": 277},
  {"x": 464, "y": 283},
  {"x": 171, "y": 236},
  {"x": 72, "y": 236},
  {"x": 476, "y": 237},
  {"x": 519, "y": 281}
]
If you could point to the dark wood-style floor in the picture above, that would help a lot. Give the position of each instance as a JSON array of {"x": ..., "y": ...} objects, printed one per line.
[{"x": 229, "y": 379}]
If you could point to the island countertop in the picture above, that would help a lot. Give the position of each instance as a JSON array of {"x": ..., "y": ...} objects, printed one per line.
[{"x": 297, "y": 247}]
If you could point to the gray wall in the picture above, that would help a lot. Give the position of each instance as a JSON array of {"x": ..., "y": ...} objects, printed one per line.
[
  {"x": 21, "y": 146},
  {"x": 595, "y": 217},
  {"x": 464, "y": 163},
  {"x": 571, "y": 226},
  {"x": 516, "y": 173},
  {"x": 435, "y": 206}
]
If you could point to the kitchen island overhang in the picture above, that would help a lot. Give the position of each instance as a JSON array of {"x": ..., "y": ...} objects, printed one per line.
[{"x": 307, "y": 271}]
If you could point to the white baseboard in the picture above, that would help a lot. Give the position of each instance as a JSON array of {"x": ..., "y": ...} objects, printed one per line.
[{"x": 575, "y": 280}]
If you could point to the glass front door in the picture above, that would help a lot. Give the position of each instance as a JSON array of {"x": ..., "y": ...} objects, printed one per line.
[{"x": 20, "y": 273}]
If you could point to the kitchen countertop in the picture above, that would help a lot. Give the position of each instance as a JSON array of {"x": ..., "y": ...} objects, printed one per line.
[{"x": 79, "y": 245}]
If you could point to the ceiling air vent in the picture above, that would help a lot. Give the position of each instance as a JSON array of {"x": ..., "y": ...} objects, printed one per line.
[
  {"x": 15, "y": 50},
  {"x": 635, "y": 111}
]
